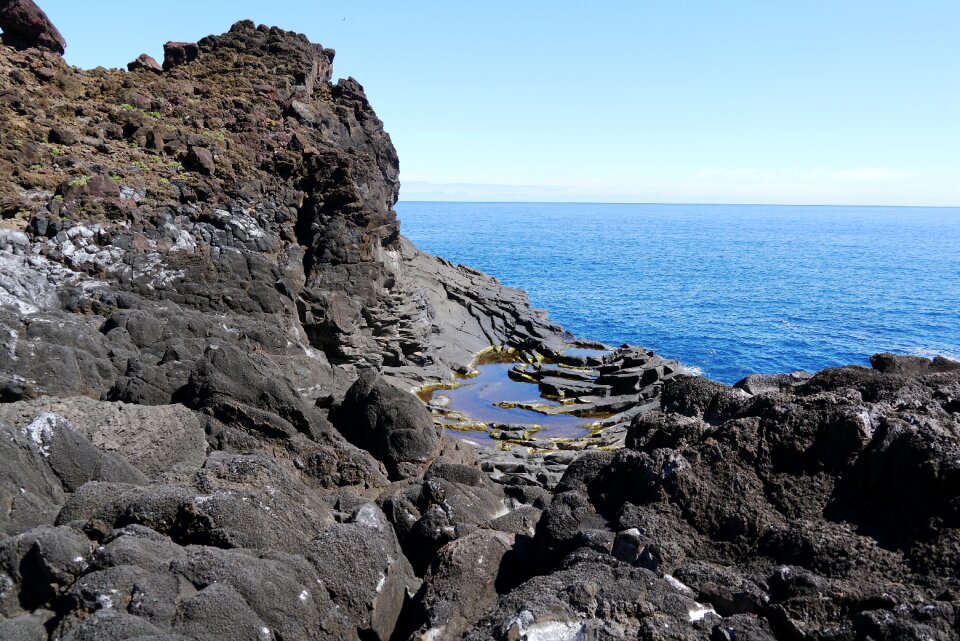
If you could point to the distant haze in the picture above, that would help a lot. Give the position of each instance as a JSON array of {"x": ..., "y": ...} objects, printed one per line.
[{"x": 794, "y": 102}]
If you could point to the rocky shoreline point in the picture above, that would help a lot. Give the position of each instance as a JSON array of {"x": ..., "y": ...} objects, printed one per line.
[{"x": 210, "y": 328}]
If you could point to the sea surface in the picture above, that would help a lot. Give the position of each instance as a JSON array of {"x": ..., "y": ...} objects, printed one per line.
[{"x": 728, "y": 289}]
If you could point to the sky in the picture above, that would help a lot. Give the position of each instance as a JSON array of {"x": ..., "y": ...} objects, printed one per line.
[{"x": 692, "y": 101}]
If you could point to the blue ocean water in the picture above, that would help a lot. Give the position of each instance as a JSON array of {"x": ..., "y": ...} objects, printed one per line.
[{"x": 729, "y": 289}]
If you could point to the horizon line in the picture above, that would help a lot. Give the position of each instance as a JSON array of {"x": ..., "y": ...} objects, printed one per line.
[{"x": 705, "y": 204}]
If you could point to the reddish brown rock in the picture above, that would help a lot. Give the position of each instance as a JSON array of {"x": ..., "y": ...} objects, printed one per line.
[
  {"x": 200, "y": 159},
  {"x": 179, "y": 53},
  {"x": 25, "y": 25},
  {"x": 144, "y": 61}
]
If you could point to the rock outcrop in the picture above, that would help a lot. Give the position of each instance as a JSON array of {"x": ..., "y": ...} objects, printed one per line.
[
  {"x": 209, "y": 328},
  {"x": 24, "y": 25}
]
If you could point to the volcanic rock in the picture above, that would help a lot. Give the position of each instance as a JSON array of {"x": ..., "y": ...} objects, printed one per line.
[
  {"x": 179, "y": 53},
  {"x": 207, "y": 429},
  {"x": 390, "y": 424},
  {"x": 143, "y": 61},
  {"x": 25, "y": 25}
]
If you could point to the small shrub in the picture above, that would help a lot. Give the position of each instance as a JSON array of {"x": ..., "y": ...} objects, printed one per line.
[
  {"x": 80, "y": 181},
  {"x": 128, "y": 107},
  {"x": 58, "y": 198}
]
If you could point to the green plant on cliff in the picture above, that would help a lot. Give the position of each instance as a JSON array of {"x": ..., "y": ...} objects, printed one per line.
[{"x": 80, "y": 181}]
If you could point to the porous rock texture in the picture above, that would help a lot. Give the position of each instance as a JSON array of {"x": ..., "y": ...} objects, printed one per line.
[{"x": 209, "y": 328}]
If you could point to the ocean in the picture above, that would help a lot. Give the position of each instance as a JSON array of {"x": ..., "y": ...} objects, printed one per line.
[{"x": 728, "y": 289}]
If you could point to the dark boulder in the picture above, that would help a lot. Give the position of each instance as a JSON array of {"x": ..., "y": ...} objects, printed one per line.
[
  {"x": 451, "y": 501},
  {"x": 460, "y": 585},
  {"x": 36, "y": 564},
  {"x": 911, "y": 365},
  {"x": 250, "y": 391},
  {"x": 179, "y": 53},
  {"x": 25, "y": 25},
  {"x": 391, "y": 424},
  {"x": 569, "y": 523},
  {"x": 594, "y": 596},
  {"x": 29, "y": 490},
  {"x": 699, "y": 397},
  {"x": 363, "y": 570}
]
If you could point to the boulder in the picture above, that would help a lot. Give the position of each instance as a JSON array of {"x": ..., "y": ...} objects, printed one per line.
[
  {"x": 906, "y": 364},
  {"x": 248, "y": 390},
  {"x": 163, "y": 442},
  {"x": 391, "y": 424},
  {"x": 25, "y": 25},
  {"x": 364, "y": 571},
  {"x": 460, "y": 585},
  {"x": 143, "y": 61},
  {"x": 36, "y": 564},
  {"x": 73, "y": 458},
  {"x": 200, "y": 159},
  {"x": 451, "y": 501},
  {"x": 179, "y": 53},
  {"x": 594, "y": 596},
  {"x": 29, "y": 490},
  {"x": 570, "y": 522}
]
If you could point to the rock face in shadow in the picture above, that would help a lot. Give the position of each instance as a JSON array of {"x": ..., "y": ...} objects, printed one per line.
[
  {"x": 209, "y": 328},
  {"x": 391, "y": 424}
]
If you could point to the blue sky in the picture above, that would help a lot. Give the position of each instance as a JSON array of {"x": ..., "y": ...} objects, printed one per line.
[{"x": 795, "y": 102}]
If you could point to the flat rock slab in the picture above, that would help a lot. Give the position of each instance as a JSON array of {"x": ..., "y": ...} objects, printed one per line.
[{"x": 165, "y": 442}]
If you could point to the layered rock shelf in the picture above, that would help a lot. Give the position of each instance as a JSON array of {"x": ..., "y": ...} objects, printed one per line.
[{"x": 211, "y": 330}]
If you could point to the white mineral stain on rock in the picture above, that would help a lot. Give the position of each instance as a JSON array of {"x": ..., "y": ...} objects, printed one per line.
[
  {"x": 503, "y": 511},
  {"x": 700, "y": 611},
  {"x": 40, "y": 431},
  {"x": 304, "y": 596},
  {"x": 432, "y": 634},
  {"x": 555, "y": 631},
  {"x": 381, "y": 582},
  {"x": 11, "y": 344},
  {"x": 677, "y": 585},
  {"x": 526, "y": 628},
  {"x": 367, "y": 516}
]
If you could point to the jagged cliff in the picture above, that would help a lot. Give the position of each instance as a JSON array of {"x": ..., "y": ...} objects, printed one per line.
[
  {"x": 209, "y": 326},
  {"x": 243, "y": 185}
]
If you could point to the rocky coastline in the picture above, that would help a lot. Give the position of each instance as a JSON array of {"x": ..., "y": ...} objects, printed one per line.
[{"x": 212, "y": 340}]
